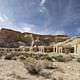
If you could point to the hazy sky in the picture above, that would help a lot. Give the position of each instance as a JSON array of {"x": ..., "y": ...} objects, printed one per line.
[{"x": 41, "y": 16}]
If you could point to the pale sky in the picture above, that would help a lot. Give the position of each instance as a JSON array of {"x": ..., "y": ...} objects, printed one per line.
[{"x": 41, "y": 16}]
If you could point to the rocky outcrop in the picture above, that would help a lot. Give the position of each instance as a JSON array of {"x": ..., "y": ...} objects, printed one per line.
[
  {"x": 47, "y": 38},
  {"x": 11, "y": 38}
]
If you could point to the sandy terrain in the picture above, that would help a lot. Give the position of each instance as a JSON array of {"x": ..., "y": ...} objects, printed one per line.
[{"x": 15, "y": 70}]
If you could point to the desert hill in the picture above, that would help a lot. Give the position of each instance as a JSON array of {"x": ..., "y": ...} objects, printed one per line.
[{"x": 11, "y": 38}]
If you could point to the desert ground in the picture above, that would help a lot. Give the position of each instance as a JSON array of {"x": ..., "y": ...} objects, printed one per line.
[{"x": 39, "y": 67}]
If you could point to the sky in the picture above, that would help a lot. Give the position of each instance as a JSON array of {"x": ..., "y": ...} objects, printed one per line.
[{"x": 56, "y": 17}]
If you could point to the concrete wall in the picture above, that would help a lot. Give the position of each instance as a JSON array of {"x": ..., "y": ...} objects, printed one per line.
[{"x": 78, "y": 49}]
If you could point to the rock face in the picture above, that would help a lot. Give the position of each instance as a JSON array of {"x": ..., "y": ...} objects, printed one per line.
[
  {"x": 47, "y": 39},
  {"x": 11, "y": 38}
]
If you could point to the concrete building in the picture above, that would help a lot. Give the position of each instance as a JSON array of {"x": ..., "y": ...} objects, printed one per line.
[{"x": 69, "y": 46}]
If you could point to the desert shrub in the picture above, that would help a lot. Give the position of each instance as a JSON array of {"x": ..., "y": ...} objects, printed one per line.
[
  {"x": 14, "y": 58},
  {"x": 1, "y": 54},
  {"x": 35, "y": 66},
  {"x": 60, "y": 78},
  {"x": 8, "y": 57},
  {"x": 61, "y": 58},
  {"x": 54, "y": 78},
  {"x": 22, "y": 57},
  {"x": 49, "y": 58},
  {"x": 46, "y": 73},
  {"x": 68, "y": 58},
  {"x": 78, "y": 60},
  {"x": 15, "y": 76}
]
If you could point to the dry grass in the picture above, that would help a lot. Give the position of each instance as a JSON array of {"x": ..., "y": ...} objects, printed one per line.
[
  {"x": 35, "y": 66},
  {"x": 62, "y": 58},
  {"x": 78, "y": 60}
]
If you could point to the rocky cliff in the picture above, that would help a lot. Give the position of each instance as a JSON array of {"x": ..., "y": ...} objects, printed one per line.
[{"x": 11, "y": 38}]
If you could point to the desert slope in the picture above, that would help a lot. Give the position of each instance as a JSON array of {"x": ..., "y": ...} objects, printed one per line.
[{"x": 11, "y": 38}]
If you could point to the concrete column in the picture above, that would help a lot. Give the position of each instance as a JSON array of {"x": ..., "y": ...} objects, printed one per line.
[
  {"x": 42, "y": 48},
  {"x": 30, "y": 49},
  {"x": 75, "y": 49},
  {"x": 60, "y": 50},
  {"x": 5, "y": 49},
  {"x": 39, "y": 49},
  {"x": 56, "y": 49},
  {"x": 53, "y": 49},
  {"x": 23, "y": 49}
]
